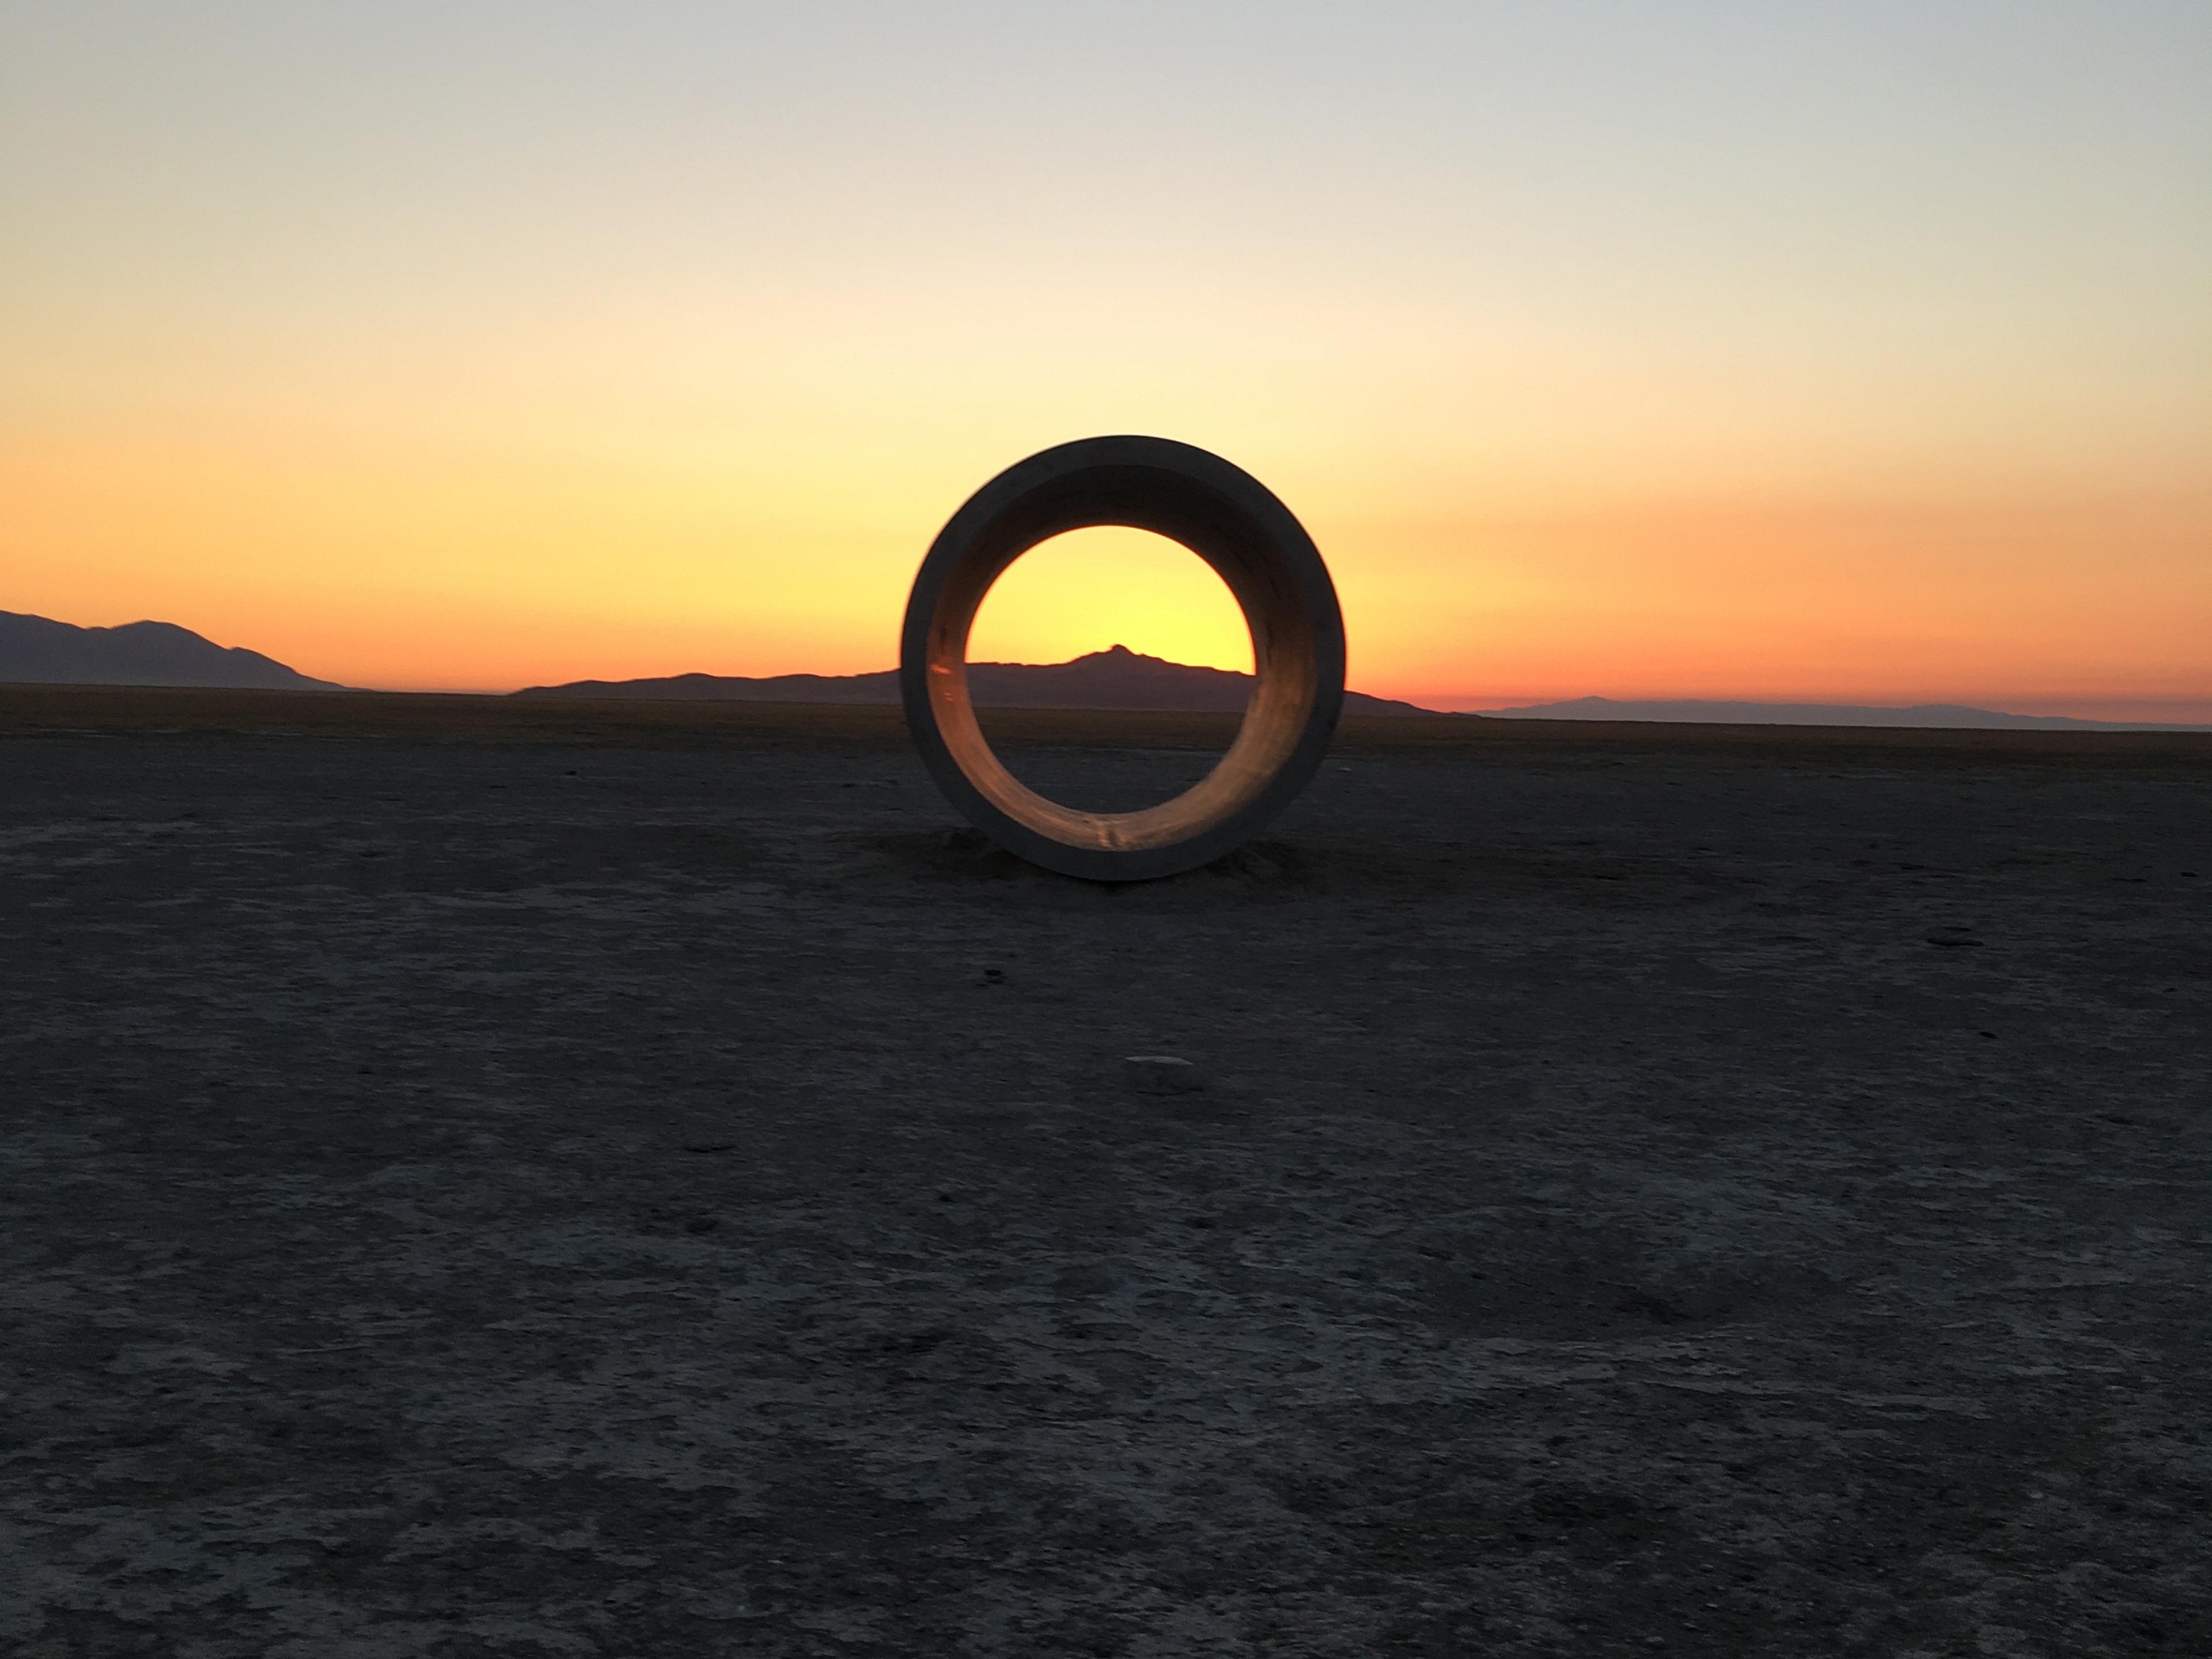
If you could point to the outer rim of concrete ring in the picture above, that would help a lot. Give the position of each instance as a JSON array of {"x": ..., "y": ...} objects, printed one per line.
[{"x": 1294, "y": 560}]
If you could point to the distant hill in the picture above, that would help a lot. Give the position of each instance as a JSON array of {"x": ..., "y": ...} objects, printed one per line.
[
  {"x": 1924, "y": 715},
  {"x": 36, "y": 651},
  {"x": 1119, "y": 679}
]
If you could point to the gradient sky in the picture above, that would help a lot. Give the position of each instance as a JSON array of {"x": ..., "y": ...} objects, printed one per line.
[{"x": 1822, "y": 352}]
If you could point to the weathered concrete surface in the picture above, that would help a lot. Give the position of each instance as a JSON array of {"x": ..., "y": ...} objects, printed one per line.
[
  {"x": 1263, "y": 556},
  {"x": 553, "y": 1199}
]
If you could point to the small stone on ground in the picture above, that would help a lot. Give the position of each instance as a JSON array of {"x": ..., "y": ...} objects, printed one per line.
[{"x": 1162, "y": 1074}]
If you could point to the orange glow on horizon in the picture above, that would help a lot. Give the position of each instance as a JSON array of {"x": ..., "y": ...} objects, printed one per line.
[
  {"x": 1091, "y": 589},
  {"x": 409, "y": 571}
]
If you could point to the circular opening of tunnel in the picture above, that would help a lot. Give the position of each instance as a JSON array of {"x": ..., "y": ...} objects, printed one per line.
[{"x": 1139, "y": 637}]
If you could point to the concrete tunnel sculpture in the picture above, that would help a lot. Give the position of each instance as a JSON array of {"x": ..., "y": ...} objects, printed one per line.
[{"x": 1259, "y": 550}]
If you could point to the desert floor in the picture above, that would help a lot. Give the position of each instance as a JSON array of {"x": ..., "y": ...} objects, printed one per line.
[{"x": 481, "y": 1180}]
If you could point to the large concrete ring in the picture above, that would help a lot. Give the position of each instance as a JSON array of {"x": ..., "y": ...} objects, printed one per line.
[{"x": 1230, "y": 519}]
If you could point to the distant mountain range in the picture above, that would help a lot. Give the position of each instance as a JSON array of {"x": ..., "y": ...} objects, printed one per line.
[
  {"x": 1923, "y": 714},
  {"x": 36, "y": 651},
  {"x": 1118, "y": 678}
]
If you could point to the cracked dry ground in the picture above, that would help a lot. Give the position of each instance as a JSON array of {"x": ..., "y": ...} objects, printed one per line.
[{"x": 471, "y": 1197}]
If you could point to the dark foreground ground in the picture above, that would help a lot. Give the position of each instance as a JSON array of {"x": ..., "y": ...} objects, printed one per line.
[{"x": 643, "y": 1183}]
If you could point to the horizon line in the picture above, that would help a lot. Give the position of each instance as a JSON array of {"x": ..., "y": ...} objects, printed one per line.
[{"x": 2170, "y": 712}]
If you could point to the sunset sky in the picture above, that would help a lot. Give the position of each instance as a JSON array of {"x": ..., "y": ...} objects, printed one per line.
[{"x": 1821, "y": 352}]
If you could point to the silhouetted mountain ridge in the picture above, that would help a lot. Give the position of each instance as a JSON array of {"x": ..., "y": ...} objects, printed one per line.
[
  {"x": 1116, "y": 678},
  {"x": 38, "y": 651},
  {"x": 1695, "y": 711}
]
